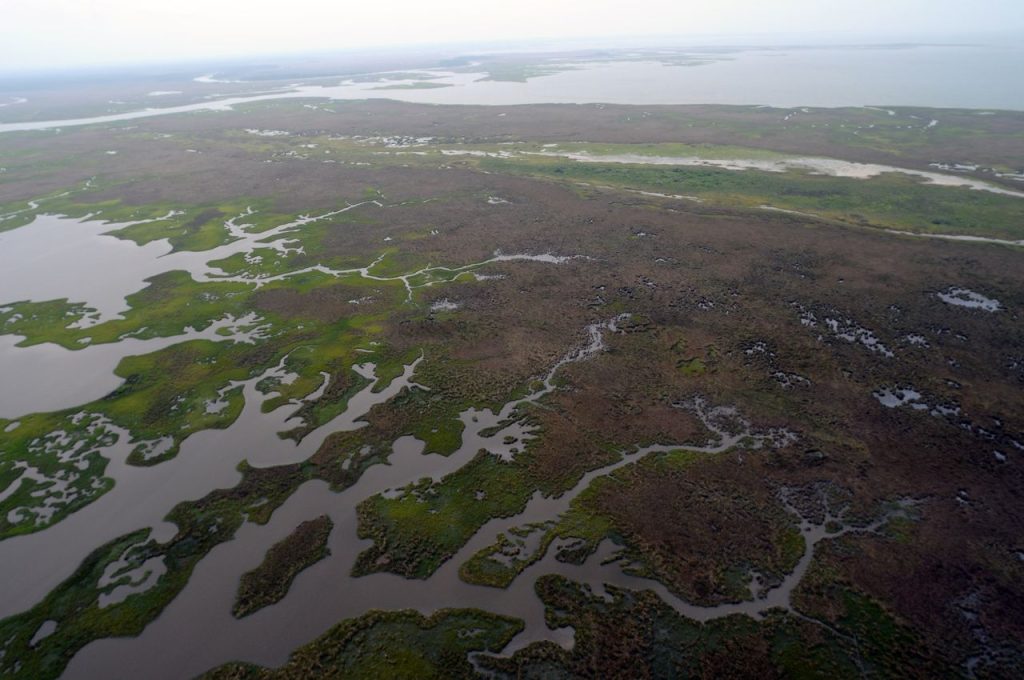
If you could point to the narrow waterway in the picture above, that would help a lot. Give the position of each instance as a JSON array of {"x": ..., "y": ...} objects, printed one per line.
[
  {"x": 34, "y": 564},
  {"x": 99, "y": 271},
  {"x": 197, "y": 630}
]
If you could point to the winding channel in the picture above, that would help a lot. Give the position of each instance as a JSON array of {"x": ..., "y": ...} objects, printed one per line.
[
  {"x": 99, "y": 270},
  {"x": 197, "y": 631}
]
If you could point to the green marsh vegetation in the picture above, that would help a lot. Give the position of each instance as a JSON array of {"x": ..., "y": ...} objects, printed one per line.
[
  {"x": 889, "y": 201},
  {"x": 307, "y": 324},
  {"x": 403, "y": 644}
]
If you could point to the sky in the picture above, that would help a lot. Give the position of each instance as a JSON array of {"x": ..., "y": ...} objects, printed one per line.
[{"x": 48, "y": 34}]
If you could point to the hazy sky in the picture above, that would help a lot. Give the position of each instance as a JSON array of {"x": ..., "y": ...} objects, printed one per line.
[{"x": 49, "y": 33}]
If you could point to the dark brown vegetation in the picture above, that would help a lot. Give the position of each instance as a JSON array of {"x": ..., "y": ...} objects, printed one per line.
[
  {"x": 722, "y": 304},
  {"x": 635, "y": 635},
  {"x": 269, "y": 582}
]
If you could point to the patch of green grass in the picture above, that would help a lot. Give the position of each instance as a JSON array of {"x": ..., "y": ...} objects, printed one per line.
[
  {"x": 190, "y": 228},
  {"x": 74, "y": 604},
  {"x": 163, "y": 398},
  {"x": 170, "y": 303},
  {"x": 669, "y": 150},
  {"x": 694, "y": 366},
  {"x": 161, "y": 402},
  {"x": 443, "y": 437},
  {"x": 416, "y": 532},
  {"x": 200, "y": 230},
  {"x": 500, "y": 563},
  {"x": 164, "y": 394},
  {"x": 520, "y": 72},
  {"x": 402, "y": 644},
  {"x": 891, "y": 200},
  {"x": 60, "y": 449}
]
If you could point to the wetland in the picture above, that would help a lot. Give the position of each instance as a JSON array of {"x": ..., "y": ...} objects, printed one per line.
[{"x": 545, "y": 390}]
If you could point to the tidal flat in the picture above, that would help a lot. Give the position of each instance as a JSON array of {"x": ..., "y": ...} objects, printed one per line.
[{"x": 459, "y": 390}]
